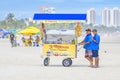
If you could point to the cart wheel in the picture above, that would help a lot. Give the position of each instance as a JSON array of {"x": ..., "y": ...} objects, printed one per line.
[
  {"x": 70, "y": 60},
  {"x": 67, "y": 62},
  {"x": 46, "y": 61}
]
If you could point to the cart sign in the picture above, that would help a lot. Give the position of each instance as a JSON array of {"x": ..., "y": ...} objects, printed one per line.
[
  {"x": 66, "y": 50},
  {"x": 59, "y": 16}
]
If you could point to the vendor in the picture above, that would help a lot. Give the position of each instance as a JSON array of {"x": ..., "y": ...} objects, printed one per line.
[{"x": 60, "y": 41}]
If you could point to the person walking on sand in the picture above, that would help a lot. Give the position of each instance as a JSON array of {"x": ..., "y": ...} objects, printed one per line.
[
  {"x": 95, "y": 47},
  {"x": 87, "y": 42},
  {"x": 12, "y": 37}
]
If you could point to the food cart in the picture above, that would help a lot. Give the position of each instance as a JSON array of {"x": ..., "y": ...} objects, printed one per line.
[{"x": 60, "y": 41}]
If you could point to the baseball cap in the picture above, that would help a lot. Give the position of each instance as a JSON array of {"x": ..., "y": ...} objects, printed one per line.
[
  {"x": 88, "y": 29},
  {"x": 94, "y": 30}
]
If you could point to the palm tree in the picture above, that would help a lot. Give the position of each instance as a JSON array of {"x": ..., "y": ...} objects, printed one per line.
[{"x": 10, "y": 17}]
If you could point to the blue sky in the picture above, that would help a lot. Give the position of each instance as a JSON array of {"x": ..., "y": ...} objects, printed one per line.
[{"x": 27, "y": 8}]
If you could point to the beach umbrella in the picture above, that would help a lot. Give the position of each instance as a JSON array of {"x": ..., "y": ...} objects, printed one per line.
[
  {"x": 12, "y": 31},
  {"x": 4, "y": 32},
  {"x": 29, "y": 31}
]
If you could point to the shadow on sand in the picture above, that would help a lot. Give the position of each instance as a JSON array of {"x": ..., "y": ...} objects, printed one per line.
[{"x": 63, "y": 66}]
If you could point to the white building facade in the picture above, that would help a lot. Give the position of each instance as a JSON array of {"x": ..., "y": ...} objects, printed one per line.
[
  {"x": 91, "y": 16},
  {"x": 46, "y": 9},
  {"x": 111, "y": 17},
  {"x": 115, "y": 17},
  {"x": 106, "y": 17}
]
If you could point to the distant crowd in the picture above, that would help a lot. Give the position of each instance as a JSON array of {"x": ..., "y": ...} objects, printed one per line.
[{"x": 27, "y": 41}]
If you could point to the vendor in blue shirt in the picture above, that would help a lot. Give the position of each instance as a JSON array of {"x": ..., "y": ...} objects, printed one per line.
[
  {"x": 95, "y": 47},
  {"x": 87, "y": 42}
]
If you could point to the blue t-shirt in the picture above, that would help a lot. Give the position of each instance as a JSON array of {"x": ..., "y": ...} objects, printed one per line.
[
  {"x": 95, "y": 45},
  {"x": 88, "y": 38}
]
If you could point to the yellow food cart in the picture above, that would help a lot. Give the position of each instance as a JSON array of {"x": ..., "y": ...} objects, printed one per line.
[{"x": 60, "y": 40}]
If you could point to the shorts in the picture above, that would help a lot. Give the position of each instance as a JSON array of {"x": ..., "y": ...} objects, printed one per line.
[
  {"x": 11, "y": 40},
  {"x": 88, "y": 53},
  {"x": 95, "y": 53}
]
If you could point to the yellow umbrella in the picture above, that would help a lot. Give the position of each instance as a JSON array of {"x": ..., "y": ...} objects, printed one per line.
[{"x": 29, "y": 31}]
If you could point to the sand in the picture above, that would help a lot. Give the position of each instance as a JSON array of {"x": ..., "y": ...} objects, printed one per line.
[{"x": 25, "y": 63}]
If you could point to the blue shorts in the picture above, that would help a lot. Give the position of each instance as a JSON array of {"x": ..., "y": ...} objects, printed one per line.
[{"x": 95, "y": 53}]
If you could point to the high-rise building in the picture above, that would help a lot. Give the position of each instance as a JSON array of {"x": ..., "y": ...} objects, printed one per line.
[
  {"x": 91, "y": 16},
  {"x": 46, "y": 9},
  {"x": 106, "y": 17},
  {"x": 115, "y": 17},
  {"x": 111, "y": 17}
]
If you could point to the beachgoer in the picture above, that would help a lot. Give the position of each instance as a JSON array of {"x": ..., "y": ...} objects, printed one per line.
[
  {"x": 95, "y": 47},
  {"x": 34, "y": 41},
  {"x": 23, "y": 40},
  {"x": 87, "y": 42},
  {"x": 12, "y": 37},
  {"x": 37, "y": 40},
  {"x": 30, "y": 41}
]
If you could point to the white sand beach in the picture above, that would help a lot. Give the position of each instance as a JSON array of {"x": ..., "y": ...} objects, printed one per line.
[{"x": 25, "y": 63}]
